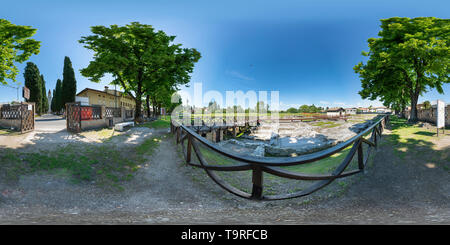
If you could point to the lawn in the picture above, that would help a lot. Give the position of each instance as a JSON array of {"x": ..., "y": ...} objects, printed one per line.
[
  {"x": 6, "y": 131},
  {"x": 164, "y": 122},
  {"x": 412, "y": 142},
  {"x": 326, "y": 124},
  {"x": 105, "y": 165}
]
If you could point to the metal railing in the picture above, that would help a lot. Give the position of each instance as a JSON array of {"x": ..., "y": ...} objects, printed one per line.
[{"x": 273, "y": 165}]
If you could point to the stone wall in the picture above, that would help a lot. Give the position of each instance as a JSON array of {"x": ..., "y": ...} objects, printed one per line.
[{"x": 429, "y": 115}]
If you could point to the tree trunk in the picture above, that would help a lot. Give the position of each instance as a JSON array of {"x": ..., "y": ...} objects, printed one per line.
[
  {"x": 154, "y": 106},
  {"x": 148, "y": 105},
  {"x": 413, "y": 116},
  {"x": 403, "y": 112},
  {"x": 137, "y": 115}
]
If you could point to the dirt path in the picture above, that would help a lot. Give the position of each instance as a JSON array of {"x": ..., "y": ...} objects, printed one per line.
[{"x": 166, "y": 191}]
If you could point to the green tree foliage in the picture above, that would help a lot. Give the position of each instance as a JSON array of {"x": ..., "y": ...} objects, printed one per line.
[
  {"x": 57, "y": 95},
  {"x": 34, "y": 83},
  {"x": 53, "y": 102},
  {"x": 292, "y": 110},
  {"x": 309, "y": 109},
  {"x": 15, "y": 46},
  {"x": 426, "y": 105},
  {"x": 140, "y": 59},
  {"x": 410, "y": 57},
  {"x": 44, "y": 102},
  {"x": 69, "y": 84}
]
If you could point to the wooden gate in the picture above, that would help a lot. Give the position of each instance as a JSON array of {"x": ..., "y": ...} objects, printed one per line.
[
  {"x": 27, "y": 117},
  {"x": 73, "y": 117}
]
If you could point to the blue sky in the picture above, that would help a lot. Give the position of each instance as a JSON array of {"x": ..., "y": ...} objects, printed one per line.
[{"x": 304, "y": 49}]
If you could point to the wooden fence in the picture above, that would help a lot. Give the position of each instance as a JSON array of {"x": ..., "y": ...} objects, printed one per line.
[
  {"x": 191, "y": 142},
  {"x": 18, "y": 116}
]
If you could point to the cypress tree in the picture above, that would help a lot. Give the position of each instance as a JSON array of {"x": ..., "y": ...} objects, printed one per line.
[
  {"x": 58, "y": 96},
  {"x": 69, "y": 84},
  {"x": 33, "y": 82},
  {"x": 44, "y": 96},
  {"x": 52, "y": 103}
]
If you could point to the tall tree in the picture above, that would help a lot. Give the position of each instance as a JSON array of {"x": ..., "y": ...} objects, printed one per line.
[
  {"x": 53, "y": 102},
  {"x": 44, "y": 102},
  {"x": 34, "y": 83},
  {"x": 410, "y": 57},
  {"x": 69, "y": 83},
  {"x": 58, "y": 96},
  {"x": 15, "y": 46},
  {"x": 137, "y": 57}
]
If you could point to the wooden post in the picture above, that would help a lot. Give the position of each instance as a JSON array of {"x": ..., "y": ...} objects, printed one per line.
[
  {"x": 257, "y": 180},
  {"x": 188, "y": 150},
  {"x": 218, "y": 135},
  {"x": 360, "y": 155},
  {"x": 375, "y": 137}
]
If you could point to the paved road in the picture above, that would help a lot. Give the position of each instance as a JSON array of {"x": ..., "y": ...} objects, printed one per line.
[{"x": 50, "y": 123}]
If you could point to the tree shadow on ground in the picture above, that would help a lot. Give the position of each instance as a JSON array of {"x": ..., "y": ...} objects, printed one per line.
[
  {"x": 425, "y": 133},
  {"x": 410, "y": 167}
]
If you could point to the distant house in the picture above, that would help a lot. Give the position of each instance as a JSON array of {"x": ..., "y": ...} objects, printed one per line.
[
  {"x": 335, "y": 112},
  {"x": 108, "y": 97},
  {"x": 363, "y": 110},
  {"x": 382, "y": 109},
  {"x": 350, "y": 111}
]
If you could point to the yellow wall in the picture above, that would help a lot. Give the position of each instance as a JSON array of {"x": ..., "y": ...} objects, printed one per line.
[{"x": 108, "y": 100}]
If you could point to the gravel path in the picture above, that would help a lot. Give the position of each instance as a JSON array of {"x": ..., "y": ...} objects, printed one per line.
[{"x": 166, "y": 191}]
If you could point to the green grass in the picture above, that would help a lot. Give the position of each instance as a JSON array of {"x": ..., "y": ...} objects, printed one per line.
[
  {"x": 411, "y": 142},
  {"x": 326, "y": 124},
  {"x": 322, "y": 166},
  {"x": 104, "y": 134},
  {"x": 157, "y": 124},
  {"x": 5, "y": 131},
  {"x": 148, "y": 146},
  {"x": 106, "y": 165}
]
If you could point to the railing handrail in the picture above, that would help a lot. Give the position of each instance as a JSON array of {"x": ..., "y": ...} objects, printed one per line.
[
  {"x": 259, "y": 165},
  {"x": 281, "y": 161}
]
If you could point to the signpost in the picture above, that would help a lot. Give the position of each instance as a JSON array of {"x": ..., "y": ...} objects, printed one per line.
[
  {"x": 26, "y": 93},
  {"x": 440, "y": 121}
]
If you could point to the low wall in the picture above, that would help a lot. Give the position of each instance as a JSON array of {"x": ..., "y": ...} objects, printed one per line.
[
  {"x": 8, "y": 123},
  {"x": 104, "y": 121},
  {"x": 93, "y": 124},
  {"x": 430, "y": 115}
]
